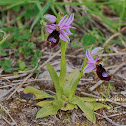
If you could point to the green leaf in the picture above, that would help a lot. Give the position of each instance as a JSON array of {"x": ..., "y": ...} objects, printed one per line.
[
  {"x": 88, "y": 40},
  {"x": 6, "y": 69},
  {"x": 75, "y": 45},
  {"x": 34, "y": 60},
  {"x": 36, "y": 71},
  {"x": 22, "y": 65},
  {"x": 88, "y": 112},
  {"x": 43, "y": 103},
  {"x": 87, "y": 99},
  {"x": 38, "y": 94},
  {"x": 82, "y": 19},
  {"x": 92, "y": 104},
  {"x": 5, "y": 45},
  {"x": 55, "y": 78},
  {"x": 50, "y": 109},
  {"x": 2, "y": 52},
  {"x": 95, "y": 105},
  {"x": 38, "y": 53},
  {"x": 70, "y": 83},
  {"x": 8, "y": 63},
  {"x": 45, "y": 111},
  {"x": 69, "y": 106}
]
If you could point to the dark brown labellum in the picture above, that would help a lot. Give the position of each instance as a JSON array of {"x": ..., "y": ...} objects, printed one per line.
[
  {"x": 102, "y": 74},
  {"x": 53, "y": 39}
]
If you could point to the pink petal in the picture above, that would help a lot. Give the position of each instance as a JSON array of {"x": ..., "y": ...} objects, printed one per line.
[
  {"x": 90, "y": 62},
  {"x": 64, "y": 36},
  {"x": 50, "y": 18},
  {"x": 96, "y": 51},
  {"x": 61, "y": 21},
  {"x": 89, "y": 57},
  {"x": 72, "y": 27},
  {"x": 96, "y": 58},
  {"x": 68, "y": 32},
  {"x": 50, "y": 28},
  {"x": 64, "y": 22},
  {"x": 64, "y": 28},
  {"x": 70, "y": 20},
  {"x": 89, "y": 67}
]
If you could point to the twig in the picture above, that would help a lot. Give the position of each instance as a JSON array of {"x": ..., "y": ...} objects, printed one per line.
[
  {"x": 119, "y": 67},
  {"x": 113, "y": 54},
  {"x": 118, "y": 114},
  {"x": 121, "y": 76},
  {"x": 96, "y": 85},
  {"x": 49, "y": 59},
  {"x": 6, "y": 121},
  {"x": 108, "y": 40},
  {"x": 8, "y": 114},
  {"x": 4, "y": 94},
  {"x": 15, "y": 76}
]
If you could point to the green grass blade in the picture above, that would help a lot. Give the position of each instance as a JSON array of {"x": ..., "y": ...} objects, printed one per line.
[{"x": 42, "y": 11}]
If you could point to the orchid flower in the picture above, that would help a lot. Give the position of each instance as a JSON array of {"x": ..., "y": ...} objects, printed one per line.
[
  {"x": 102, "y": 74},
  {"x": 62, "y": 29},
  {"x": 91, "y": 62}
]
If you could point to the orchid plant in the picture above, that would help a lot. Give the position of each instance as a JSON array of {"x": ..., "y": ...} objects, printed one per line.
[{"x": 65, "y": 85}]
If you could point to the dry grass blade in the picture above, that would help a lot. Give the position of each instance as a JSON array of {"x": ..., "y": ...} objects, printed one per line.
[
  {"x": 108, "y": 40},
  {"x": 4, "y": 94},
  {"x": 6, "y": 121},
  {"x": 8, "y": 114}
]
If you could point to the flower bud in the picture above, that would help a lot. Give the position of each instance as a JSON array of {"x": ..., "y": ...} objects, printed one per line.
[
  {"x": 50, "y": 18},
  {"x": 96, "y": 51}
]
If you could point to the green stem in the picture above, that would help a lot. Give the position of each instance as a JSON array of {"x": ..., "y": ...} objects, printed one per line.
[
  {"x": 63, "y": 64},
  {"x": 84, "y": 64},
  {"x": 81, "y": 74},
  {"x": 108, "y": 91}
]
